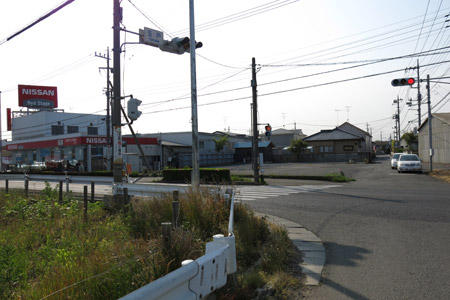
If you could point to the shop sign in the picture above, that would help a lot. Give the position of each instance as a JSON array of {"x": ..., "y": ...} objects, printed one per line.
[
  {"x": 38, "y": 96},
  {"x": 96, "y": 140},
  {"x": 71, "y": 142}
]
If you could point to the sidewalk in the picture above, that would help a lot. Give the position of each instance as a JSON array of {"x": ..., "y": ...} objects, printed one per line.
[{"x": 313, "y": 251}]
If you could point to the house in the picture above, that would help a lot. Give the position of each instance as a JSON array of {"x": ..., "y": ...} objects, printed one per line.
[
  {"x": 343, "y": 143},
  {"x": 440, "y": 139},
  {"x": 282, "y": 138}
]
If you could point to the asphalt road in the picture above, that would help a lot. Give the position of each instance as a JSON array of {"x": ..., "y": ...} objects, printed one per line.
[{"x": 387, "y": 235}]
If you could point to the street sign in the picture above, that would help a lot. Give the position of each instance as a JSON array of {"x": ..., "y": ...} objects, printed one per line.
[{"x": 151, "y": 37}]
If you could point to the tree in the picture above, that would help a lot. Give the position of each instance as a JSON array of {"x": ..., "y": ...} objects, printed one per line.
[
  {"x": 220, "y": 143},
  {"x": 409, "y": 138},
  {"x": 297, "y": 146}
]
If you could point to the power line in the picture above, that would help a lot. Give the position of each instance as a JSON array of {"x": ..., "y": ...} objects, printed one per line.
[
  {"x": 240, "y": 15},
  {"x": 61, "y": 6}
]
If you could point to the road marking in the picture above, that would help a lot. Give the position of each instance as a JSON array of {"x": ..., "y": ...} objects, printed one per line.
[{"x": 251, "y": 193}]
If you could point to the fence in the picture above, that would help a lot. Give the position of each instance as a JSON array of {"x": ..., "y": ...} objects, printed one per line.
[
  {"x": 207, "y": 160},
  {"x": 199, "y": 278}
]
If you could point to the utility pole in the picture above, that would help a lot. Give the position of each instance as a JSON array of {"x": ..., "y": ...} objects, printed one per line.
[
  {"x": 430, "y": 131},
  {"x": 255, "y": 150},
  {"x": 116, "y": 119},
  {"x": 419, "y": 95},
  {"x": 108, "y": 102},
  {"x": 397, "y": 118},
  {"x": 195, "y": 178}
]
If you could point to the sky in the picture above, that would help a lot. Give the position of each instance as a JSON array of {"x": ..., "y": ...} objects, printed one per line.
[{"x": 319, "y": 62}]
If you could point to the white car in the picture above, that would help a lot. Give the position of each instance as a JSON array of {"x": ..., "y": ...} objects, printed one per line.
[
  {"x": 409, "y": 163},
  {"x": 394, "y": 160}
]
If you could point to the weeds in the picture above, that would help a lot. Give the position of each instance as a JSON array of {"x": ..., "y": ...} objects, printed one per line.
[{"x": 48, "y": 251}]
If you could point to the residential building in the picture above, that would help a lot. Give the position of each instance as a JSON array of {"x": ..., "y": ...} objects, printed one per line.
[
  {"x": 282, "y": 138},
  {"x": 343, "y": 143}
]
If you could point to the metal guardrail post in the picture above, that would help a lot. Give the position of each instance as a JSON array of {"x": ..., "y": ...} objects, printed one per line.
[
  {"x": 60, "y": 191},
  {"x": 26, "y": 188},
  {"x": 85, "y": 202},
  {"x": 166, "y": 228},
  {"x": 67, "y": 183},
  {"x": 92, "y": 191},
  {"x": 175, "y": 209}
]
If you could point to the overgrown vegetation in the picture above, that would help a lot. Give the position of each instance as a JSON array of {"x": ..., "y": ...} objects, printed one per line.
[{"x": 48, "y": 250}]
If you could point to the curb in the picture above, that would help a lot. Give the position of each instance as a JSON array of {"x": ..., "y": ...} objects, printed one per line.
[{"x": 313, "y": 251}]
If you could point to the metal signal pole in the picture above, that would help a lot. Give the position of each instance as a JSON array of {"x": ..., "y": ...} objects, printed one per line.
[{"x": 195, "y": 178}]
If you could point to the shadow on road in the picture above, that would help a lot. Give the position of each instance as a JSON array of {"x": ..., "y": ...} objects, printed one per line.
[
  {"x": 348, "y": 256},
  {"x": 343, "y": 290},
  {"x": 344, "y": 255}
]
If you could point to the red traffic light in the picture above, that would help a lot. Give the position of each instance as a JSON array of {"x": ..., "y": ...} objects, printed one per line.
[
  {"x": 268, "y": 128},
  {"x": 403, "y": 81}
]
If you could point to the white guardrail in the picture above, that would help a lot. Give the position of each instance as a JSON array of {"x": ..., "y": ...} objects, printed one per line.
[
  {"x": 196, "y": 279},
  {"x": 134, "y": 189}
]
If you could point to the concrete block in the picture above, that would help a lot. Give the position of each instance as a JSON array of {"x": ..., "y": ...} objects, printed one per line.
[
  {"x": 312, "y": 279},
  {"x": 305, "y": 237},
  {"x": 308, "y": 269},
  {"x": 316, "y": 261},
  {"x": 309, "y": 246}
]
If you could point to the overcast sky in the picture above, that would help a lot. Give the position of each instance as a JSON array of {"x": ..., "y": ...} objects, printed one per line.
[{"x": 320, "y": 62}]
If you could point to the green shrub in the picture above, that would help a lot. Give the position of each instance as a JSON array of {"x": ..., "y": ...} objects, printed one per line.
[{"x": 206, "y": 175}]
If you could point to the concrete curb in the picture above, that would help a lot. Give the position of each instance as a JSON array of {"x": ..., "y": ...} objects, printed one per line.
[{"x": 308, "y": 243}]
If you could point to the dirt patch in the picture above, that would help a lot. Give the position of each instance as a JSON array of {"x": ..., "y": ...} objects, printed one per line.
[{"x": 442, "y": 174}]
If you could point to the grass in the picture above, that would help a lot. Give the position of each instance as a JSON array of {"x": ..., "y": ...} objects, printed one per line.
[{"x": 48, "y": 251}]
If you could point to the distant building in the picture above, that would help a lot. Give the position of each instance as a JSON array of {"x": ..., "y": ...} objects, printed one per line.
[
  {"x": 282, "y": 138},
  {"x": 53, "y": 136},
  {"x": 244, "y": 151},
  {"x": 343, "y": 143}
]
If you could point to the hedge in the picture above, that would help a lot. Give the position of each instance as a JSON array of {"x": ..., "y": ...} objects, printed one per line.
[{"x": 206, "y": 175}]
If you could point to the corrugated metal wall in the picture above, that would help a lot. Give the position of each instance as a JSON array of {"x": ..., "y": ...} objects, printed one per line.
[{"x": 440, "y": 142}]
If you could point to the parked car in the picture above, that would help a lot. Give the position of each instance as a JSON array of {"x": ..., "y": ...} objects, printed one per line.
[
  {"x": 409, "y": 163},
  {"x": 394, "y": 160}
]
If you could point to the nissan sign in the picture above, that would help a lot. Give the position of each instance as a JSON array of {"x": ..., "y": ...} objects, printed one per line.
[{"x": 38, "y": 96}]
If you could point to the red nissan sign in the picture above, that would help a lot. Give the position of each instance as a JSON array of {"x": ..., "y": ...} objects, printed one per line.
[{"x": 38, "y": 96}]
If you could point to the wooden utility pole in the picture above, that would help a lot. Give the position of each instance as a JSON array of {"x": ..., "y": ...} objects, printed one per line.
[
  {"x": 108, "y": 103},
  {"x": 255, "y": 150},
  {"x": 430, "y": 131},
  {"x": 116, "y": 120}
]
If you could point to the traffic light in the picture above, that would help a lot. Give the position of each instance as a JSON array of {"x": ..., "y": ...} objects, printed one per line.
[
  {"x": 132, "y": 109},
  {"x": 268, "y": 130},
  {"x": 178, "y": 45},
  {"x": 403, "y": 81}
]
